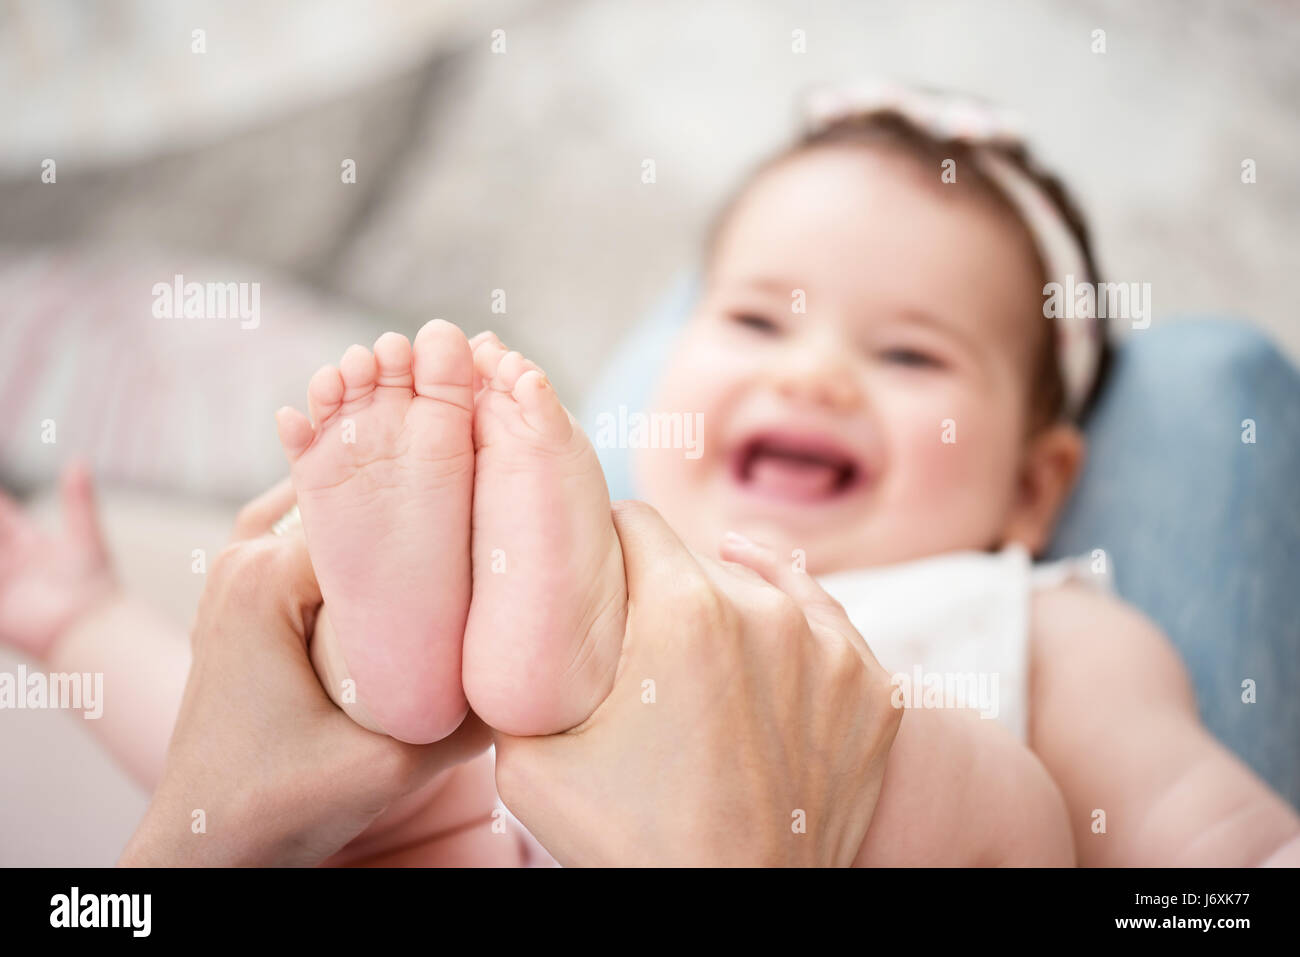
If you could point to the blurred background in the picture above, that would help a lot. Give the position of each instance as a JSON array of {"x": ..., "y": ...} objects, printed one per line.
[{"x": 514, "y": 169}]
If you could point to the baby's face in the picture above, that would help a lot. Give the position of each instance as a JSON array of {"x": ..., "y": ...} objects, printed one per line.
[{"x": 861, "y": 358}]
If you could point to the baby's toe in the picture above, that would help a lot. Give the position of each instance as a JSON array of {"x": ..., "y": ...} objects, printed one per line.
[
  {"x": 295, "y": 431},
  {"x": 324, "y": 393},
  {"x": 443, "y": 364},
  {"x": 393, "y": 361},
  {"x": 511, "y": 367},
  {"x": 359, "y": 373},
  {"x": 487, "y": 351},
  {"x": 540, "y": 406}
]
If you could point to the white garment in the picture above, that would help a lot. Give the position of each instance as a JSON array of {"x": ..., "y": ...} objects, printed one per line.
[{"x": 953, "y": 629}]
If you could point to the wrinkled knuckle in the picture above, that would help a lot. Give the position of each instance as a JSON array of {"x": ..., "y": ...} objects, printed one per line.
[
  {"x": 241, "y": 568},
  {"x": 833, "y": 606},
  {"x": 847, "y": 665},
  {"x": 229, "y": 563},
  {"x": 773, "y": 611},
  {"x": 873, "y": 681},
  {"x": 787, "y": 614},
  {"x": 702, "y": 599},
  {"x": 894, "y": 714},
  {"x": 882, "y": 682},
  {"x": 890, "y": 709},
  {"x": 281, "y": 557},
  {"x": 262, "y": 555},
  {"x": 725, "y": 616}
]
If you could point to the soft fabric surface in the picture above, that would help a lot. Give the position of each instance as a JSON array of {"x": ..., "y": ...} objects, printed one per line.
[{"x": 182, "y": 405}]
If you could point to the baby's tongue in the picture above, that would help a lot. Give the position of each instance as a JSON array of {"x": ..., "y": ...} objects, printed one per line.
[{"x": 789, "y": 477}]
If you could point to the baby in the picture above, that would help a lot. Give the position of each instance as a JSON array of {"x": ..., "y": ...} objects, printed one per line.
[{"x": 878, "y": 386}]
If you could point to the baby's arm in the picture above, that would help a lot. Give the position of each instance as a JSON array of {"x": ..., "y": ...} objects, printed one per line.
[
  {"x": 959, "y": 790},
  {"x": 61, "y": 605},
  {"x": 1114, "y": 719},
  {"x": 144, "y": 661}
]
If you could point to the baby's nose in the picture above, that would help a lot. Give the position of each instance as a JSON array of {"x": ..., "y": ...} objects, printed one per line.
[{"x": 820, "y": 375}]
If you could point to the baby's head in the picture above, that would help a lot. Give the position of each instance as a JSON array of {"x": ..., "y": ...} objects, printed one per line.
[{"x": 870, "y": 358}]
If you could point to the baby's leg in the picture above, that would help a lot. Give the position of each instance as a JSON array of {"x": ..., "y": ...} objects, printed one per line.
[
  {"x": 384, "y": 482},
  {"x": 145, "y": 661},
  {"x": 960, "y": 791},
  {"x": 457, "y": 821},
  {"x": 546, "y": 623}
]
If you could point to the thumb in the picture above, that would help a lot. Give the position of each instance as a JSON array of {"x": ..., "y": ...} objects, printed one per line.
[{"x": 654, "y": 558}]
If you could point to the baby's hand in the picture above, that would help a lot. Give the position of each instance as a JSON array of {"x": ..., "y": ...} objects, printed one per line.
[{"x": 48, "y": 581}]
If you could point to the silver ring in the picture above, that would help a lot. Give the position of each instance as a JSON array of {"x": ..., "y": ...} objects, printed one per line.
[{"x": 287, "y": 522}]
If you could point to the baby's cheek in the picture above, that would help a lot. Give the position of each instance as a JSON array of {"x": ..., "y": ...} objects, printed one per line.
[
  {"x": 951, "y": 466},
  {"x": 668, "y": 477},
  {"x": 691, "y": 380},
  {"x": 700, "y": 385},
  {"x": 928, "y": 457}
]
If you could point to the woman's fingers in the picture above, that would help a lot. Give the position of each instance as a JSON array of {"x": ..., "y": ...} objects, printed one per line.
[
  {"x": 818, "y": 607},
  {"x": 257, "y": 516},
  {"x": 654, "y": 558}
]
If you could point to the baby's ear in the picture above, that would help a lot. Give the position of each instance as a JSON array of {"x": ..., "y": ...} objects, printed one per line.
[{"x": 1048, "y": 471}]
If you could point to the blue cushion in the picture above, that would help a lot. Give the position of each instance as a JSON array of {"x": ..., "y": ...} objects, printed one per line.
[{"x": 1202, "y": 529}]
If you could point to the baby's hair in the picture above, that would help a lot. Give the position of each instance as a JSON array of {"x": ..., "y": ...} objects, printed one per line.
[{"x": 892, "y": 131}]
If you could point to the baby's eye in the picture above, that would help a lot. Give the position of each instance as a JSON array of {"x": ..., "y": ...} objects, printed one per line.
[
  {"x": 910, "y": 357},
  {"x": 756, "y": 322}
]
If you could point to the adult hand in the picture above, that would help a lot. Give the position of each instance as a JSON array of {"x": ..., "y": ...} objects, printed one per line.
[
  {"x": 262, "y": 767},
  {"x": 748, "y": 724}
]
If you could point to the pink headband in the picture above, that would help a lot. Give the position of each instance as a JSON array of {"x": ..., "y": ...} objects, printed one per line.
[{"x": 983, "y": 128}]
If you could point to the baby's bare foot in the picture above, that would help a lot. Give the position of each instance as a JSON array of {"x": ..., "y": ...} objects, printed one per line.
[
  {"x": 384, "y": 482},
  {"x": 546, "y": 623}
]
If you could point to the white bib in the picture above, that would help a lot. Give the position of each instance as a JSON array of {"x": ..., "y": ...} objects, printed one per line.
[{"x": 953, "y": 629}]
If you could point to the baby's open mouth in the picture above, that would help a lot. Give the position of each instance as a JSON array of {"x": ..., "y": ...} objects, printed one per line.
[{"x": 795, "y": 467}]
